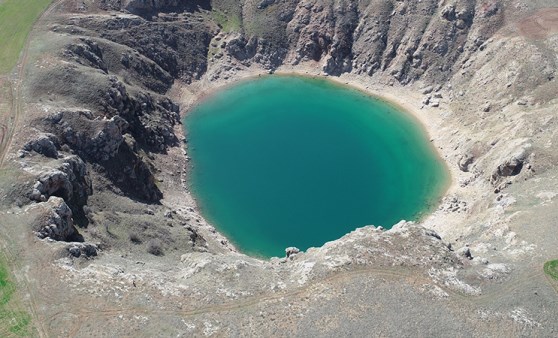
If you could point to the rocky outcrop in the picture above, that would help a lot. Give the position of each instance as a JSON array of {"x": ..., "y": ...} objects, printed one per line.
[
  {"x": 465, "y": 162},
  {"x": 151, "y": 119},
  {"x": 82, "y": 250},
  {"x": 512, "y": 163},
  {"x": 174, "y": 44},
  {"x": 150, "y": 7},
  {"x": 55, "y": 221},
  {"x": 69, "y": 181},
  {"x": 315, "y": 35},
  {"x": 241, "y": 48},
  {"x": 87, "y": 52},
  {"x": 405, "y": 41},
  {"x": 105, "y": 143},
  {"x": 290, "y": 251},
  {"x": 131, "y": 173},
  {"x": 126, "y": 62},
  {"x": 45, "y": 144},
  {"x": 147, "y": 117},
  {"x": 95, "y": 139}
]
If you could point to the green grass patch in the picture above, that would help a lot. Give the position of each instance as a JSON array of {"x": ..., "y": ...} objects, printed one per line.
[
  {"x": 7, "y": 288},
  {"x": 551, "y": 269},
  {"x": 16, "y": 20},
  {"x": 227, "y": 22},
  {"x": 13, "y": 322}
]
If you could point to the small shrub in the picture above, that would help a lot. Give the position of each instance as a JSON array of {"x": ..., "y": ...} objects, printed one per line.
[
  {"x": 66, "y": 148},
  {"x": 134, "y": 238},
  {"x": 154, "y": 247},
  {"x": 551, "y": 269},
  {"x": 19, "y": 202}
]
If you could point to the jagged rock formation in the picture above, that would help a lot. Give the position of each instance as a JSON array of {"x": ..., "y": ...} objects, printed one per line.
[
  {"x": 85, "y": 249},
  {"x": 70, "y": 181},
  {"x": 45, "y": 144},
  {"x": 55, "y": 221},
  {"x": 513, "y": 163}
]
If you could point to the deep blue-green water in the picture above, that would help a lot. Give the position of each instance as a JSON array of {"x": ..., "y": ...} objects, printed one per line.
[{"x": 290, "y": 161}]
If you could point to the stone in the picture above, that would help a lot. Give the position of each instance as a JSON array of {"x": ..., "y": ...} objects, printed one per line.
[
  {"x": 85, "y": 249},
  {"x": 464, "y": 252},
  {"x": 55, "y": 220},
  {"x": 69, "y": 181},
  {"x": 290, "y": 251},
  {"x": 74, "y": 251},
  {"x": 427, "y": 90},
  {"x": 45, "y": 144},
  {"x": 448, "y": 13},
  {"x": 465, "y": 162},
  {"x": 426, "y": 100},
  {"x": 513, "y": 163},
  {"x": 264, "y": 3}
]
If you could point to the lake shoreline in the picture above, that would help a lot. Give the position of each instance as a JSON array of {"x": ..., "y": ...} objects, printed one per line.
[{"x": 206, "y": 89}]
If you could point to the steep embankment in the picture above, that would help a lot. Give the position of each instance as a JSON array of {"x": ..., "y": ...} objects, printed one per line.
[{"x": 98, "y": 159}]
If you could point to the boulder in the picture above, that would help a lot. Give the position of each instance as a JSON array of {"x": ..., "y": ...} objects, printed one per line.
[
  {"x": 104, "y": 144},
  {"x": 465, "y": 162},
  {"x": 464, "y": 252},
  {"x": 427, "y": 90},
  {"x": 45, "y": 144},
  {"x": 265, "y": 3},
  {"x": 512, "y": 164},
  {"x": 55, "y": 220},
  {"x": 99, "y": 140},
  {"x": 290, "y": 251},
  {"x": 82, "y": 249},
  {"x": 69, "y": 181}
]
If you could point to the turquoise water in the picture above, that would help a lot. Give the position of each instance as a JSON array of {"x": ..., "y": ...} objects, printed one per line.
[{"x": 290, "y": 161}]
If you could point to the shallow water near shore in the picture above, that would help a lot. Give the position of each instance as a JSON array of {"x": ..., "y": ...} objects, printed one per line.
[{"x": 285, "y": 161}]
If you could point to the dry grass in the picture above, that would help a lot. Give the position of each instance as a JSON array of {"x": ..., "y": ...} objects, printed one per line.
[{"x": 154, "y": 247}]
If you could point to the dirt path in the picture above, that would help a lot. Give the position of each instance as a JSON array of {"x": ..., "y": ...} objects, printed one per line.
[
  {"x": 541, "y": 24},
  {"x": 6, "y": 111},
  {"x": 83, "y": 315},
  {"x": 11, "y": 105},
  {"x": 11, "y": 93}
]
